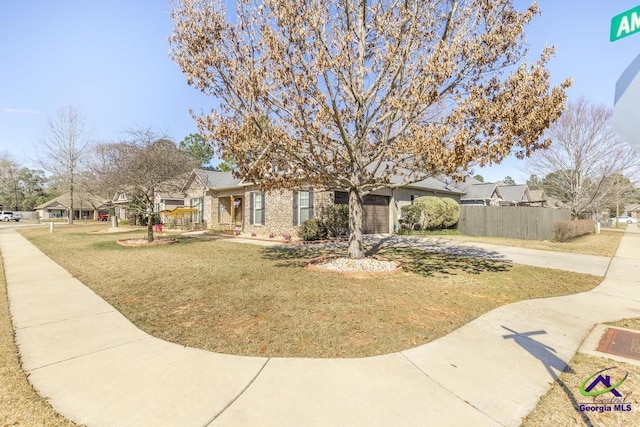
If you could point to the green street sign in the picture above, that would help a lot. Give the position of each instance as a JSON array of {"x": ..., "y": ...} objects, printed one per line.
[{"x": 625, "y": 24}]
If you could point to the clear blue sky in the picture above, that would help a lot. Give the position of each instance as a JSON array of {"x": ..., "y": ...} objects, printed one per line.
[{"x": 110, "y": 59}]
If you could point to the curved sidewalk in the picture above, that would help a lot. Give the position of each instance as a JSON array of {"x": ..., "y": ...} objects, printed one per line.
[{"x": 96, "y": 368}]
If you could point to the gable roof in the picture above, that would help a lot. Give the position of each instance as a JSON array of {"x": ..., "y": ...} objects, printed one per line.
[
  {"x": 465, "y": 185},
  {"x": 215, "y": 180},
  {"x": 515, "y": 193},
  {"x": 430, "y": 184},
  {"x": 482, "y": 191},
  {"x": 537, "y": 195},
  {"x": 79, "y": 199}
]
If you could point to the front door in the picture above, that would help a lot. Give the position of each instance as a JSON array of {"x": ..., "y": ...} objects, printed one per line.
[{"x": 238, "y": 208}]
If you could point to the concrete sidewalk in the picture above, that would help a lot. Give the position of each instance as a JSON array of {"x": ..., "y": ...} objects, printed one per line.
[{"x": 96, "y": 368}]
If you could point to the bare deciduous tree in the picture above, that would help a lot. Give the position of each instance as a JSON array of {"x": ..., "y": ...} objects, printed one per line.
[
  {"x": 64, "y": 146},
  {"x": 9, "y": 181},
  {"x": 364, "y": 94},
  {"x": 142, "y": 166},
  {"x": 584, "y": 154}
]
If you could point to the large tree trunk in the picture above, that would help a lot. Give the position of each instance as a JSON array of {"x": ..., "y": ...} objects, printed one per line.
[{"x": 356, "y": 249}]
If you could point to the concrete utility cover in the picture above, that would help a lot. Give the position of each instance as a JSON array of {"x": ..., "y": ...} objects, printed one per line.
[
  {"x": 626, "y": 110},
  {"x": 621, "y": 343}
]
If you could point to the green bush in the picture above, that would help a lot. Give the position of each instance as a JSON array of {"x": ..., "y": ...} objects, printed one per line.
[
  {"x": 434, "y": 211},
  {"x": 436, "y": 232},
  {"x": 312, "y": 229},
  {"x": 565, "y": 230},
  {"x": 335, "y": 219},
  {"x": 452, "y": 212},
  {"x": 411, "y": 215}
]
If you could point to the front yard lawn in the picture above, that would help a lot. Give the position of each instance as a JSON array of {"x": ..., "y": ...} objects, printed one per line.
[{"x": 243, "y": 299}]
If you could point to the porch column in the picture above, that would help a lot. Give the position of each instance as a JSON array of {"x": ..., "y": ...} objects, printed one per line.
[{"x": 232, "y": 221}]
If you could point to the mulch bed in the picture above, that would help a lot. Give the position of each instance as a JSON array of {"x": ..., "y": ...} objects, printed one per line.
[{"x": 145, "y": 242}]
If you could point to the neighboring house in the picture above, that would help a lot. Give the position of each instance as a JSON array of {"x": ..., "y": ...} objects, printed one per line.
[
  {"x": 167, "y": 201},
  {"x": 162, "y": 201},
  {"x": 632, "y": 210},
  {"x": 84, "y": 207},
  {"x": 515, "y": 195},
  {"x": 228, "y": 203},
  {"x": 538, "y": 198},
  {"x": 120, "y": 202},
  {"x": 477, "y": 193}
]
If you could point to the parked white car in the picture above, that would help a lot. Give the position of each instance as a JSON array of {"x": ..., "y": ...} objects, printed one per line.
[
  {"x": 627, "y": 219},
  {"x": 10, "y": 216}
]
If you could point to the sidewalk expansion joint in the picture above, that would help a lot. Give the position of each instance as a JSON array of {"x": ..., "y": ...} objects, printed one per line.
[
  {"x": 91, "y": 352},
  {"x": 586, "y": 317},
  {"x": 611, "y": 293},
  {"x": 449, "y": 390},
  {"x": 232, "y": 401},
  {"x": 66, "y": 319}
]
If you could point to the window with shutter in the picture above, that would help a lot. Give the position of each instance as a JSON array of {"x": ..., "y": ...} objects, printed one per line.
[{"x": 257, "y": 203}]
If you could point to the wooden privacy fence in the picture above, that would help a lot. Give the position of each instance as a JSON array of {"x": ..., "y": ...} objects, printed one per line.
[{"x": 518, "y": 222}]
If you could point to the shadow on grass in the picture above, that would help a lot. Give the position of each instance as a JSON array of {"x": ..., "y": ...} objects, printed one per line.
[
  {"x": 414, "y": 260},
  {"x": 113, "y": 244},
  {"x": 300, "y": 256}
]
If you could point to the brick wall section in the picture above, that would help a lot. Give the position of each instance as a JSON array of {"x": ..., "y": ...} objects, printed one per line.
[
  {"x": 197, "y": 191},
  {"x": 279, "y": 212}
]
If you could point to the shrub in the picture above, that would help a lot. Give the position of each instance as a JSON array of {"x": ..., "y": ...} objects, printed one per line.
[
  {"x": 565, "y": 230},
  {"x": 335, "y": 219},
  {"x": 312, "y": 229},
  {"x": 436, "y": 232},
  {"x": 411, "y": 215},
  {"x": 452, "y": 212},
  {"x": 434, "y": 211}
]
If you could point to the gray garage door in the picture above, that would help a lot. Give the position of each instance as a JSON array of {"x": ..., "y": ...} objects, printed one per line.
[{"x": 375, "y": 212}]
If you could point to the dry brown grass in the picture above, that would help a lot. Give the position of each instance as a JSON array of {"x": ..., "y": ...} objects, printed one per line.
[
  {"x": 243, "y": 299},
  {"x": 560, "y": 406},
  {"x": 20, "y": 405},
  {"x": 603, "y": 244}
]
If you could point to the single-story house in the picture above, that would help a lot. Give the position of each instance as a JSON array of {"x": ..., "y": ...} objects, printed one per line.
[
  {"x": 631, "y": 210},
  {"x": 229, "y": 203},
  {"x": 538, "y": 198},
  {"x": 515, "y": 195},
  {"x": 85, "y": 206},
  {"x": 478, "y": 193},
  {"x": 163, "y": 200}
]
